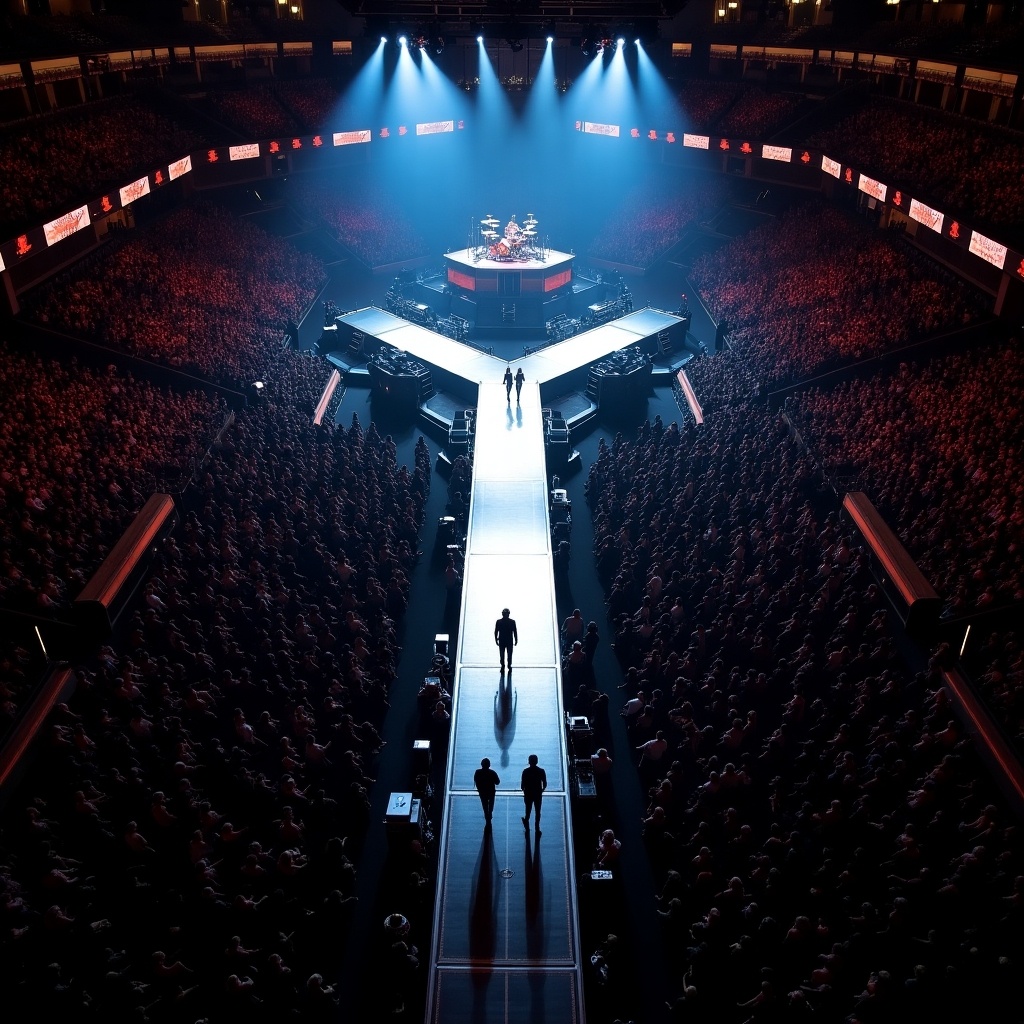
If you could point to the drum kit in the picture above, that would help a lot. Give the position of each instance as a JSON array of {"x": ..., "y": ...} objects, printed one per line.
[{"x": 516, "y": 240}]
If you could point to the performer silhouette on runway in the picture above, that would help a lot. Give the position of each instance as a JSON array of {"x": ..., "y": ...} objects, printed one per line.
[
  {"x": 508, "y": 384},
  {"x": 533, "y": 783},
  {"x": 506, "y": 636},
  {"x": 520, "y": 377},
  {"x": 486, "y": 780}
]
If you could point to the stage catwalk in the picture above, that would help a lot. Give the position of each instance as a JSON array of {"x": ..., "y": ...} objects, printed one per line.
[
  {"x": 549, "y": 364},
  {"x": 506, "y": 944}
]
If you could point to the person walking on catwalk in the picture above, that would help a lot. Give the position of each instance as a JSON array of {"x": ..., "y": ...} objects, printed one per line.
[
  {"x": 486, "y": 780},
  {"x": 533, "y": 784},
  {"x": 508, "y": 381},
  {"x": 506, "y": 636},
  {"x": 520, "y": 377}
]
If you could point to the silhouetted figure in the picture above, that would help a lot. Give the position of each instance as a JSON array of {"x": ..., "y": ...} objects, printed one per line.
[{"x": 533, "y": 783}]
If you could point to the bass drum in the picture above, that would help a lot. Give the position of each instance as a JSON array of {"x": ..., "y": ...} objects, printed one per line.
[{"x": 499, "y": 249}]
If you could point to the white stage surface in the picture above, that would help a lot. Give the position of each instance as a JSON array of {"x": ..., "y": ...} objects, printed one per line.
[
  {"x": 476, "y": 367},
  {"x": 506, "y": 944},
  {"x": 466, "y": 260}
]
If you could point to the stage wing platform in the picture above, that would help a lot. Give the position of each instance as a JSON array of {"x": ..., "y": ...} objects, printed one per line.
[
  {"x": 506, "y": 943},
  {"x": 557, "y": 369}
]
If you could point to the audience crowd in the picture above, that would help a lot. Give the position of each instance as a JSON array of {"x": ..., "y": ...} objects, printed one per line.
[
  {"x": 313, "y": 101},
  {"x": 997, "y": 669},
  {"x": 201, "y": 291},
  {"x": 704, "y": 102},
  {"x": 818, "y": 288},
  {"x": 965, "y": 167},
  {"x": 756, "y": 114},
  {"x": 56, "y": 162},
  {"x": 82, "y": 450},
  {"x": 937, "y": 448},
  {"x": 254, "y": 111},
  {"x": 827, "y": 842},
  {"x": 651, "y": 217},
  {"x": 20, "y": 669},
  {"x": 186, "y": 847},
  {"x": 367, "y": 218}
]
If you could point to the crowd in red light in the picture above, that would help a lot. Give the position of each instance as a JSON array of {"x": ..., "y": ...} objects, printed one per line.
[
  {"x": 818, "y": 288},
  {"x": 82, "y": 451},
  {"x": 938, "y": 447},
  {"x": 819, "y": 822},
  {"x": 203, "y": 292},
  {"x": 975, "y": 169},
  {"x": 756, "y": 114},
  {"x": 365, "y": 218},
  {"x": 313, "y": 100},
  {"x": 255, "y": 111},
  {"x": 704, "y": 102},
  {"x": 52, "y": 163},
  {"x": 650, "y": 218},
  {"x": 187, "y": 843}
]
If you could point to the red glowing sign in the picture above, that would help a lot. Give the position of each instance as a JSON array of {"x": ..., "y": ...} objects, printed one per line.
[
  {"x": 211, "y": 156},
  {"x": 746, "y": 148},
  {"x": 897, "y": 198},
  {"x": 385, "y": 133},
  {"x": 670, "y": 137},
  {"x": 652, "y": 135},
  {"x": 158, "y": 178},
  {"x": 466, "y": 281},
  {"x": 849, "y": 175},
  {"x": 317, "y": 140},
  {"x": 806, "y": 158},
  {"x": 557, "y": 280},
  {"x": 634, "y": 133},
  {"x": 24, "y": 245},
  {"x": 724, "y": 144},
  {"x": 275, "y": 147},
  {"x": 296, "y": 143},
  {"x": 105, "y": 204},
  {"x": 954, "y": 229},
  {"x": 1020, "y": 269},
  {"x": 402, "y": 130}
]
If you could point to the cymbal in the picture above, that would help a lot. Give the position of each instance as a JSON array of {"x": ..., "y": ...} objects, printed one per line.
[
  {"x": 530, "y": 232},
  {"x": 489, "y": 234},
  {"x": 490, "y": 222}
]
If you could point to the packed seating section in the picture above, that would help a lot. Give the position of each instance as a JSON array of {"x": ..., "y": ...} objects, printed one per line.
[
  {"x": 821, "y": 829},
  {"x": 841, "y": 837},
  {"x": 207, "y": 293}
]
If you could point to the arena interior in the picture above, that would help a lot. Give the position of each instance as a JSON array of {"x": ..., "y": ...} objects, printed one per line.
[{"x": 757, "y": 511}]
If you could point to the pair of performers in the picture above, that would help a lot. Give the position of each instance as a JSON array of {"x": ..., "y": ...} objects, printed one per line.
[{"x": 508, "y": 380}]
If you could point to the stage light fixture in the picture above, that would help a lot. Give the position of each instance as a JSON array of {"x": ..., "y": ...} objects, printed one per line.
[{"x": 403, "y": 41}]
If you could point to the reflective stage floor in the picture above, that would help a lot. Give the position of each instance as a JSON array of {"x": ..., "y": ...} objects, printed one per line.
[{"x": 506, "y": 944}]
